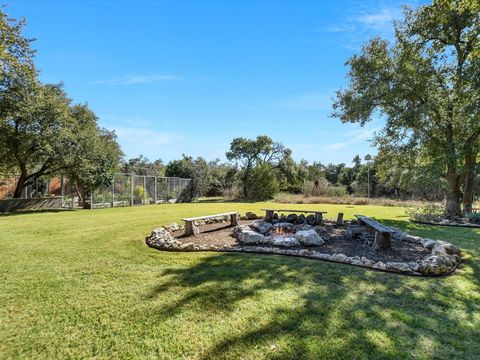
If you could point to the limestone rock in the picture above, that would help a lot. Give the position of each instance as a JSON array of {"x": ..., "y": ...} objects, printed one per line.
[
  {"x": 250, "y": 237},
  {"x": 292, "y": 218},
  {"x": 309, "y": 238},
  {"x": 285, "y": 241},
  {"x": 162, "y": 239},
  {"x": 261, "y": 226}
]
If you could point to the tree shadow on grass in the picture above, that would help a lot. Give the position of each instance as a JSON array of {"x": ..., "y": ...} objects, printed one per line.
[
  {"x": 28, "y": 212},
  {"x": 300, "y": 308}
]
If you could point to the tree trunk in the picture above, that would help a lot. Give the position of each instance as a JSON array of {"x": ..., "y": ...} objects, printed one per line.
[
  {"x": 21, "y": 183},
  {"x": 469, "y": 188},
  {"x": 453, "y": 195}
]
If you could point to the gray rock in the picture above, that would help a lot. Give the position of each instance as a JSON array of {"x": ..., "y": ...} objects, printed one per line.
[
  {"x": 292, "y": 218},
  {"x": 250, "y": 237},
  {"x": 428, "y": 243},
  {"x": 413, "y": 239},
  {"x": 261, "y": 226},
  {"x": 379, "y": 265},
  {"x": 339, "y": 257},
  {"x": 285, "y": 241},
  {"x": 162, "y": 239},
  {"x": 309, "y": 238},
  {"x": 444, "y": 247},
  {"x": 398, "y": 266},
  {"x": 285, "y": 225},
  {"x": 310, "y": 219},
  {"x": 302, "y": 227}
]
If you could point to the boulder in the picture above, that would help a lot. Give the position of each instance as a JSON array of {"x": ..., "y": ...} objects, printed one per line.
[
  {"x": 261, "y": 226},
  {"x": 309, "y": 238},
  {"x": 301, "y": 219},
  {"x": 251, "y": 216},
  {"x": 339, "y": 257},
  {"x": 292, "y": 218},
  {"x": 398, "y": 266},
  {"x": 285, "y": 241},
  {"x": 445, "y": 248},
  {"x": 302, "y": 227},
  {"x": 250, "y": 237},
  {"x": 285, "y": 225},
  {"x": 162, "y": 239},
  {"x": 310, "y": 219}
]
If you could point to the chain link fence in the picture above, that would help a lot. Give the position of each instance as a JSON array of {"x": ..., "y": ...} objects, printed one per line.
[{"x": 124, "y": 190}]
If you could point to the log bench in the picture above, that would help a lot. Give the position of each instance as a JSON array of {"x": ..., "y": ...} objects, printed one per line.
[
  {"x": 318, "y": 214},
  {"x": 191, "y": 229},
  {"x": 382, "y": 232}
]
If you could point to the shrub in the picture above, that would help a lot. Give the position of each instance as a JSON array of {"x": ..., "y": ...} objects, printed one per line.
[
  {"x": 430, "y": 212},
  {"x": 473, "y": 217},
  {"x": 138, "y": 192},
  {"x": 262, "y": 183},
  {"x": 323, "y": 188}
]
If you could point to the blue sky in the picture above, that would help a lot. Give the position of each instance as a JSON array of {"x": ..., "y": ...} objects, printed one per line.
[{"x": 187, "y": 77}]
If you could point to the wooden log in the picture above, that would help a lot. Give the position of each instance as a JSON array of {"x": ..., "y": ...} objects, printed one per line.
[
  {"x": 318, "y": 218},
  {"x": 269, "y": 215},
  {"x": 340, "y": 219},
  {"x": 233, "y": 219},
  {"x": 382, "y": 241},
  {"x": 191, "y": 229}
]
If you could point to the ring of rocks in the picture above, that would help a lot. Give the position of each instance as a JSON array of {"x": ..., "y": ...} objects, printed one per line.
[{"x": 443, "y": 257}]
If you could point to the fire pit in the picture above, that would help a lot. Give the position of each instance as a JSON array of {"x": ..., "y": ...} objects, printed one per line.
[{"x": 355, "y": 242}]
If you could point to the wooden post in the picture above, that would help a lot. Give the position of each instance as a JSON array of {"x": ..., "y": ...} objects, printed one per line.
[
  {"x": 340, "y": 219},
  {"x": 144, "y": 190},
  {"x": 318, "y": 218},
  {"x": 269, "y": 215},
  {"x": 233, "y": 219},
  {"x": 113, "y": 192},
  {"x": 382, "y": 241},
  {"x": 191, "y": 229},
  {"x": 131, "y": 189},
  {"x": 155, "y": 191}
]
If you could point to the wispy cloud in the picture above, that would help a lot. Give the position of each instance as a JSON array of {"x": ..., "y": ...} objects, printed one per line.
[
  {"x": 136, "y": 79},
  {"x": 309, "y": 101},
  {"x": 365, "y": 21},
  {"x": 353, "y": 137},
  {"x": 144, "y": 137}
]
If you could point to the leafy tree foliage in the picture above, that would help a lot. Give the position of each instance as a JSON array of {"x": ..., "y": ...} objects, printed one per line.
[
  {"x": 41, "y": 132},
  {"x": 427, "y": 86},
  {"x": 255, "y": 156}
]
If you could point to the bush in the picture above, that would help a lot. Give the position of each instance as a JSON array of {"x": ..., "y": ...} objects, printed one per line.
[
  {"x": 262, "y": 183},
  {"x": 323, "y": 188},
  {"x": 473, "y": 217},
  {"x": 431, "y": 212}
]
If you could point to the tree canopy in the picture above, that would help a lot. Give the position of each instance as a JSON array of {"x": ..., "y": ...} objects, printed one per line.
[{"x": 426, "y": 86}]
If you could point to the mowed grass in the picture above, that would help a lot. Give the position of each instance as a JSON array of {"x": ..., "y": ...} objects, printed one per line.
[{"x": 83, "y": 284}]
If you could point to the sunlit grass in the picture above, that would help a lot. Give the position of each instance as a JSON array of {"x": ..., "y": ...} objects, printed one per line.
[{"x": 83, "y": 284}]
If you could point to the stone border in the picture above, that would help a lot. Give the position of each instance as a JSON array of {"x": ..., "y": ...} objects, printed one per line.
[
  {"x": 443, "y": 260},
  {"x": 471, "y": 226}
]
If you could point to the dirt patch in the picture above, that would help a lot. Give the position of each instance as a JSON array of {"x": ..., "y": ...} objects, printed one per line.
[{"x": 337, "y": 241}]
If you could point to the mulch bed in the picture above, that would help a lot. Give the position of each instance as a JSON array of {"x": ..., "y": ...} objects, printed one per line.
[{"x": 337, "y": 242}]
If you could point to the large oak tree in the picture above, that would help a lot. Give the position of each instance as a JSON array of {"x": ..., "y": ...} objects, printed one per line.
[{"x": 427, "y": 87}]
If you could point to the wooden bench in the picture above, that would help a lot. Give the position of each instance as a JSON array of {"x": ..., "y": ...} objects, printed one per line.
[
  {"x": 191, "y": 229},
  {"x": 318, "y": 214},
  {"x": 382, "y": 232}
]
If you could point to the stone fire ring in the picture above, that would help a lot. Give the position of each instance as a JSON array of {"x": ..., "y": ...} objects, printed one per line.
[{"x": 442, "y": 260}]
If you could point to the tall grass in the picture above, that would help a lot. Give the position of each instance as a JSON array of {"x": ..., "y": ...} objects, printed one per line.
[{"x": 343, "y": 200}]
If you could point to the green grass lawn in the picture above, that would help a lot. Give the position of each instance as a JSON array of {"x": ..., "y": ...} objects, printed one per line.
[{"x": 83, "y": 284}]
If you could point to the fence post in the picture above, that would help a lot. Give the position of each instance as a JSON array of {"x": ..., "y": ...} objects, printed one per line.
[
  {"x": 113, "y": 192},
  {"x": 131, "y": 189},
  {"x": 155, "y": 191},
  {"x": 144, "y": 190}
]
